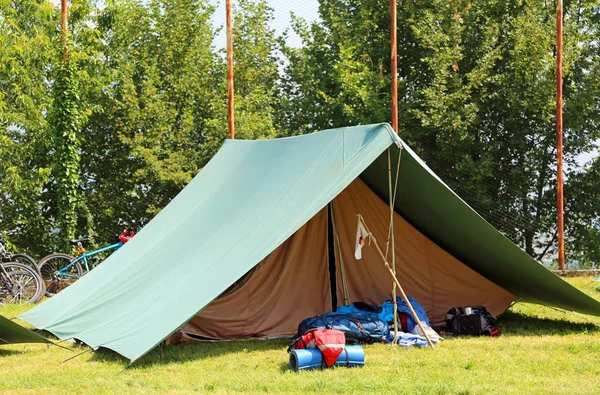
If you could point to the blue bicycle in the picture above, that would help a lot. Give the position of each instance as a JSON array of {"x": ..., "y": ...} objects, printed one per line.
[{"x": 60, "y": 270}]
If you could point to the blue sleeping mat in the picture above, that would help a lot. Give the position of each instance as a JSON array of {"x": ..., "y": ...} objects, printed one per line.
[{"x": 311, "y": 358}]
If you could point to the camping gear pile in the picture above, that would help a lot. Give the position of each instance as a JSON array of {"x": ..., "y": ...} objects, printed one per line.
[
  {"x": 409, "y": 332},
  {"x": 321, "y": 339},
  {"x": 359, "y": 327}
]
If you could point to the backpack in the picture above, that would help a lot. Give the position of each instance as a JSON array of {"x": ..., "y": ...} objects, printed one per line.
[
  {"x": 479, "y": 323},
  {"x": 357, "y": 327},
  {"x": 331, "y": 343}
]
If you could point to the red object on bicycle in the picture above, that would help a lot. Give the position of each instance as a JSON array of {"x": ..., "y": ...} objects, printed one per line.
[{"x": 126, "y": 235}]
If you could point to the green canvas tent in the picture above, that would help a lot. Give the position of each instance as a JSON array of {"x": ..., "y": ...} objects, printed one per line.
[
  {"x": 257, "y": 222},
  {"x": 12, "y": 333}
]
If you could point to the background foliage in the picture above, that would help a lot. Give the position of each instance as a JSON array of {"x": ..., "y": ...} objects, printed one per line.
[{"x": 142, "y": 107}]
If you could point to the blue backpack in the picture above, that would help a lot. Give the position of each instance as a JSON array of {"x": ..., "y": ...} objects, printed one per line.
[{"x": 358, "y": 327}]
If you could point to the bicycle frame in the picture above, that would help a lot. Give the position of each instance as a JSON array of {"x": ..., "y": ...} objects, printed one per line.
[
  {"x": 5, "y": 281},
  {"x": 4, "y": 255},
  {"x": 83, "y": 258},
  {"x": 3, "y": 275}
]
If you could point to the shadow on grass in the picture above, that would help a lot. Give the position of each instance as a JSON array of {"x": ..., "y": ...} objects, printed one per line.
[
  {"x": 6, "y": 353},
  {"x": 48, "y": 335},
  {"x": 178, "y": 353},
  {"x": 517, "y": 324}
]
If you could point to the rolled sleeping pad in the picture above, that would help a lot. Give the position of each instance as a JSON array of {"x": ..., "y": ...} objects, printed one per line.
[{"x": 311, "y": 358}]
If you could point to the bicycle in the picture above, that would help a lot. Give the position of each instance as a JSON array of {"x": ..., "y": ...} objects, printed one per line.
[
  {"x": 20, "y": 284},
  {"x": 6, "y": 256},
  {"x": 59, "y": 270}
]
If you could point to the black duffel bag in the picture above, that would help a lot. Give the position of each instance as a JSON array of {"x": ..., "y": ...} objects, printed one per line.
[{"x": 479, "y": 323}]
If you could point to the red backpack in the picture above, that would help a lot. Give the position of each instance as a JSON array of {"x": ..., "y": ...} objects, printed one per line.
[{"x": 330, "y": 342}]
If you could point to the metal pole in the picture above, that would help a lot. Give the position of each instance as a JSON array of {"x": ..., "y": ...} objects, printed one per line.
[
  {"x": 559, "y": 136},
  {"x": 63, "y": 27},
  {"x": 394, "y": 60},
  {"x": 230, "y": 122}
]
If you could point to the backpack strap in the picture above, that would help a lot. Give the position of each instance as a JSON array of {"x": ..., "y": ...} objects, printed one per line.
[{"x": 298, "y": 339}]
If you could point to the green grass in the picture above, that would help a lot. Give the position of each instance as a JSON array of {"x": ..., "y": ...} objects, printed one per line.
[{"x": 543, "y": 350}]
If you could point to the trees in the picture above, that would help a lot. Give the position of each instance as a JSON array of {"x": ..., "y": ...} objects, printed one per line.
[
  {"x": 115, "y": 133},
  {"x": 155, "y": 101},
  {"x": 161, "y": 112},
  {"x": 256, "y": 78},
  {"x": 476, "y": 91},
  {"x": 26, "y": 29},
  {"x": 65, "y": 119}
]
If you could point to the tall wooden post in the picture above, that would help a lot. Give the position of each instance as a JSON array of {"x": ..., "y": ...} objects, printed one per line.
[
  {"x": 394, "y": 59},
  {"x": 559, "y": 135},
  {"x": 63, "y": 27},
  {"x": 394, "y": 73},
  {"x": 230, "y": 107}
]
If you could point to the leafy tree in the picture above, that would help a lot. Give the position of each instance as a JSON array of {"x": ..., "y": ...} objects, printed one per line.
[
  {"x": 160, "y": 109},
  {"x": 255, "y": 80},
  {"x": 26, "y": 30},
  {"x": 65, "y": 119},
  {"x": 583, "y": 216}
]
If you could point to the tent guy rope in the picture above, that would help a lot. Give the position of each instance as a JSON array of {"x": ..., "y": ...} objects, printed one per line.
[{"x": 392, "y": 198}]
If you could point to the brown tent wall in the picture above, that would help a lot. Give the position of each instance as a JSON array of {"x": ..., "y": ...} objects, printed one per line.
[
  {"x": 292, "y": 283},
  {"x": 437, "y": 280}
]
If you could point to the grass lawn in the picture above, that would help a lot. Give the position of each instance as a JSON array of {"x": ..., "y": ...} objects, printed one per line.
[{"x": 542, "y": 350}]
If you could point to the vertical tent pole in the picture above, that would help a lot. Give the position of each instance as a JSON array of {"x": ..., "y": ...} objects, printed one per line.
[
  {"x": 394, "y": 68},
  {"x": 559, "y": 136},
  {"x": 64, "y": 28},
  {"x": 394, "y": 73},
  {"x": 230, "y": 122}
]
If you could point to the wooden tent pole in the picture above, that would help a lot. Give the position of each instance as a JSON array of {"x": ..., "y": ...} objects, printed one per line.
[
  {"x": 412, "y": 311},
  {"x": 230, "y": 107},
  {"x": 559, "y": 136},
  {"x": 64, "y": 29},
  {"x": 394, "y": 64},
  {"x": 394, "y": 75}
]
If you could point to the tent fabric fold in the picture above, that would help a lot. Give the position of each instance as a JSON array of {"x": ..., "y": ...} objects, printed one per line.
[
  {"x": 244, "y": 205},
  {"x": 13, "y": 333}
]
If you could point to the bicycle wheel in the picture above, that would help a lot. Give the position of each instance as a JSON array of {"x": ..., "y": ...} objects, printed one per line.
[
  {"x": 56, "y": 279},
  {"x": 24, "y": 285},
  {"x": 25, "y": 260}
]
